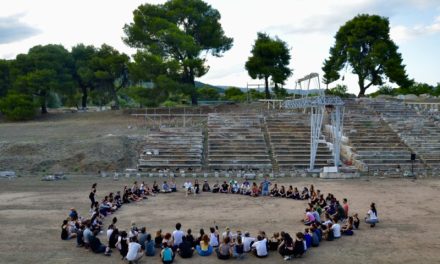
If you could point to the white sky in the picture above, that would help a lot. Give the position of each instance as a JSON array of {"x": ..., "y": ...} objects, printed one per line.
[{"x": 308, "y": 26}]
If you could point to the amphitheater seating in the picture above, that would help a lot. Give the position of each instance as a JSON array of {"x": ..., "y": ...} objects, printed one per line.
[
  {"x": 419, "y": 132},
  {"x": 374, "y": 145},
  {"x": 174, "y": 149},
  {"x": 289, "y": 137},
  {"x": 236, "y": 142}
]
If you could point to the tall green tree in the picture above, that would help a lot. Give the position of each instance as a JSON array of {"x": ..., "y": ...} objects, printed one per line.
[
  {"x": 364, "y": 44},
  {"x": 43, "y": 70},
  {"x": 179, "y": 32},
  {"x": 270, "y": 59},
  {"x": 5, "y": 77},
  {"x": 84, "y": 74},
  {"x": 110, "y": 72}
]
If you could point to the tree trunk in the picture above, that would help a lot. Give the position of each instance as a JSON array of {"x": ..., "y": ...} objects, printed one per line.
[
  {"x": 266, "y": 87},
  {"x": 84, "y": 98},
  {"x": 189, "y": 79},
  {"x": 361, "y": 87},
  {"x": 43, "y": 103},
  {"x": 115, "y": 98}
]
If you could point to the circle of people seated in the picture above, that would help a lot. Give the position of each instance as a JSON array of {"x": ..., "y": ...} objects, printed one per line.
[{"x": 325, "y": 218}]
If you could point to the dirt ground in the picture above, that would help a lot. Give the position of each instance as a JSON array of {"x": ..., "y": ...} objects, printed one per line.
[{"x": 31, "y": 212}]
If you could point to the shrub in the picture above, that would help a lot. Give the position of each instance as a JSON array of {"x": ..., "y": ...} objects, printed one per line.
[{"x": 18, "y": 107}]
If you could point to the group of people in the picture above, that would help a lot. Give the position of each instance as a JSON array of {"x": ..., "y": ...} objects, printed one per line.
[{"x": 325, "y": 218}]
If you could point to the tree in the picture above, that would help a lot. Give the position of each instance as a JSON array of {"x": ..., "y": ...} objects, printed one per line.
[
  {"x": 340, "y": 90},
  {"x": 179, "y": 32},
  {"x": 18, "y": 107},
  {"x": 44, "y": 69},
  {"x": 235, "y": 94},
  {"x": 364, "y": 44},
  {"x": 5, "y": 78},
  {"x": 110, "y": 72},
  {"x": 270, "y": 58},
  {"x": 208, "y": 93},
  {"x": 84, "y": 74}
]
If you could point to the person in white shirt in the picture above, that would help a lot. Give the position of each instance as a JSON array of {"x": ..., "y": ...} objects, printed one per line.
[
  {"x": 247, "y": 240},
  {"x": 213, "y": 237},
  {"x": 109, "y": 231},
  {"x": 259, "y": 248},
  {"x": 188, "y": 187},
  {"x": 177, "y": 236},
  {"x": 227, "y": 233},
  {"x": 134, "y": 251},
  {"x": 371, "y": 217},
  {"x": 336, "y": 228}
]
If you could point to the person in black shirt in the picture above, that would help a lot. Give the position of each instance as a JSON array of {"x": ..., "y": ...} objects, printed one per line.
[
  {"x": 97, "y": 246},
  {"x": 185, "y": 249},
  {"x": 190, "y": 238},
  {"x": 92, "y": 198},
  {"x": 205, "y": 187}
]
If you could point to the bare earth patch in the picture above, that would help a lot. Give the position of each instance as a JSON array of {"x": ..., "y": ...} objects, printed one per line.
[{"x": 31, "y": 212}]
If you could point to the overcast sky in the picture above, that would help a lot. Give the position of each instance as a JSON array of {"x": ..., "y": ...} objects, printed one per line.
[{"x": 308, "y": 26}]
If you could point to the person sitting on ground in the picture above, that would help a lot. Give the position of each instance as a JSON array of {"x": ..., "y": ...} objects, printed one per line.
[
  {"x": 296, "y": 194},
  {"x": 87, "y": 233},
  {"x": 289, "y": 192},
  {"x": 224, "y": 250},
  {"x": 282, "y": 191},
  {"x": 66, "y": 233},
  {"x": 167, "y": 238},
  {"x": 316, "y": 214},
  {"x": 79, "y": 234},
  {"x": 196, "y": 186},
  {"x": 185, "y": 248},
  {"x": 188, "y": 187},
  {"x": 347, "y": 229},
  {"x": 371, "y": 217},
  {"x": 238, "y": 251},
  {"x": 216, "y": 187},
  {"x": 255, "y": 191},
  {"x": 259, "y": 248},
  {"x": 214, "y": 237},
  {"x": 165, "y": 187},
  {"x": 286, "y": 246},
  {"x": 173, "y": 186},
  {"x": 227, "y": 233},
  {"x": 340, "y": 212},
  {"x": 274, "y": 241},
  {"x": 235, "y": 188},
  {"x": 156, "y": 187},
  {"x": 113, "y": 239},
  {"x": 224, "y": 188},
  {"x": 206, "y": 187},
  {"x": 245, "y": 188},
  {"x": 336, "y": 227},
  {"x": 199, "y": 238},
  {"x": 204, "y": 249},
  {"x": 329, "y": 235},
  {"x": 309, "y": 218},
  {"x": 315, "y": 237},
  {"x": 356, "y": 221},
  {"x": 298, "y": 246},
  {"x": 275, "y": 192},
  {"x": 134, "y": 253},
  {"x": 177, "y": 236},
  {"x": 158, "y": 239},
  {"x": 122, "y": 244},
  {"x": 247, "y": 242},
  {"x": 305, "y": 194},
  {"x": 149, "y": 245},
  {"x": 190, "y": 238},
  {"x": 142, "y": 237},
  {"x": 307, "y": 238},
  {"x": 96, "y": 246},
  {"x": 167, "y": 254},
  {"x": 134, "y": 231}
]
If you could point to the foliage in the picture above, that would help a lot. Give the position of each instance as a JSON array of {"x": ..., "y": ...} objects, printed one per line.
[
  {"x": 416, "y": 89},
  {"x": 177, "y": 36},
  {"x": 235, "y": 94},
  {"x": 270, "y": 58},
  {"x": 340, "y": 90},
  {"x": 43, "y": 70},
  {"x": 280, "y": 92},
  {"x": 254, "y": 94},
  {"x": 364, "y": 44},
  {"x": 18, "y": 107},
  {"x": 5, "y": 79},
  {"x": 208, "y": 93}
]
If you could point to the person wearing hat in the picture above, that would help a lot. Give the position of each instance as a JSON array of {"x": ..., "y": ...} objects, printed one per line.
[
  {"x": 206, "y": 187},
  {"x": 227, "y": 233}
]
